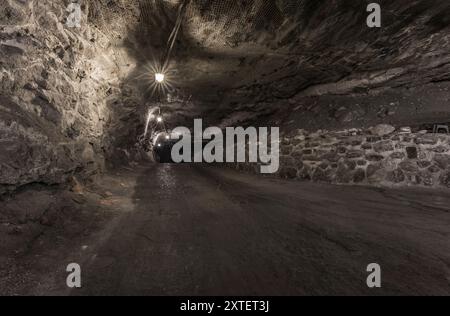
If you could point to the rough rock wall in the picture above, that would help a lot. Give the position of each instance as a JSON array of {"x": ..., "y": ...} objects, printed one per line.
[
  {"x": 312, "y": 64},
  {"x": 55, "y": 86},
  {"x": 377, "y": 156},
  {"x": 264, "y": 55}
]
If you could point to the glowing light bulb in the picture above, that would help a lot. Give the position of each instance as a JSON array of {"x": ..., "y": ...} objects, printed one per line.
[
  {"x": 159, "y": 119},
  {"x": 159, "y": 77}
]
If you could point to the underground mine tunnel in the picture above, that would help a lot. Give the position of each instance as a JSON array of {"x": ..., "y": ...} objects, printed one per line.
[{"x": 345, "y": 105}]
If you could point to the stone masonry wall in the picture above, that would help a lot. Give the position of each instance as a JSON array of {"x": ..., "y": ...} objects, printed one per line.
[{"x": 378, "y": 156}]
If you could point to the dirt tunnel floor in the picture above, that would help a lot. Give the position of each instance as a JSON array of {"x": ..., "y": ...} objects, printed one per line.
[{"x": 194, "y": 230}]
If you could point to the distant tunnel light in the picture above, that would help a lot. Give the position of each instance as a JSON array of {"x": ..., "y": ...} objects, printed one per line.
[{"x": 159, "y": 77}]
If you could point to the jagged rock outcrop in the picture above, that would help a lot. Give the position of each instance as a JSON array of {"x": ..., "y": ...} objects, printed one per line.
[{"x": 56, "y": 86}]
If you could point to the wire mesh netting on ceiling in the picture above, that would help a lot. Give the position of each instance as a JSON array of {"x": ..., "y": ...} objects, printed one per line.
[
  {"x": 208, "y": 22},
  {"x": 230, "y": 22},
  {"x": 221, "y": 22}
]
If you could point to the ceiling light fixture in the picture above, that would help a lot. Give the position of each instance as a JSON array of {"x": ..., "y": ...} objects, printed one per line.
[{"x": 159, "y": 77}]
